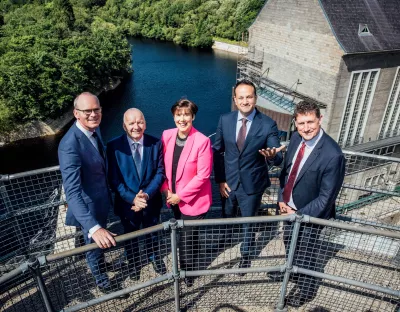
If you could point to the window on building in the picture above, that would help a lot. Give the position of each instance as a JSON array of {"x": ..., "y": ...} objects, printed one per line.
[
  {"x": 391, "y": 121},
  {"x": 357, "y": 107}
]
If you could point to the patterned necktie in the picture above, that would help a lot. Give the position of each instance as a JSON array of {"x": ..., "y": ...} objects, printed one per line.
[
  {"x": 241, "y": 135},
  {"x": 287, "y": 191},
  {"x": 136, "y": 157},
  {"x": 100, "y": 148}
]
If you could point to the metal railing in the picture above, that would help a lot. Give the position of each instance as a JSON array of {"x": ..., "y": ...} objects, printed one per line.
[
  {"x": 336, "y": 265},
  {"x": 33, "y": 206}
]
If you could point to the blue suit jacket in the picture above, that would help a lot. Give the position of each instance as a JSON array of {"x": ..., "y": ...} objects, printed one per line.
[
  {"x": 126, "y": 182},
  {"x": 85, "y": 180},
  {"x": 248, "y": 166},
  {"x": 319, "y": 180}
]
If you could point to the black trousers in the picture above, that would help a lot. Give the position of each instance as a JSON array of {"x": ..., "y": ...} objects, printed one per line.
[{"x": 189, "y": 242}]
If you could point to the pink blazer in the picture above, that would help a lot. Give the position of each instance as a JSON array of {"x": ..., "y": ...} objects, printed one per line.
[{"x": 193, "y": 185}]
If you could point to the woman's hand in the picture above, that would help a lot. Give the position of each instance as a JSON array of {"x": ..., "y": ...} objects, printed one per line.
[{"x": 173, "y": 199}]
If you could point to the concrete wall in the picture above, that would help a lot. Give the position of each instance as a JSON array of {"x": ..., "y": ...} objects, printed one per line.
[{"x": 298, "y": 44}]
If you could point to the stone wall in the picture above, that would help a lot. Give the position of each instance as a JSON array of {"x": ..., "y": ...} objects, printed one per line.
[{"x": 298, "y": 45}]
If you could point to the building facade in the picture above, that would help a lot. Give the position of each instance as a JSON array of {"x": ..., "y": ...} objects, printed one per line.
[{"x": 343, "y": 55}]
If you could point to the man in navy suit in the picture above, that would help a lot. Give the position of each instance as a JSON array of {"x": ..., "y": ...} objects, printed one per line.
[
  {"x": 311, "y": 178},
  {"x": 83, "y": 167},
  {"x": 136, "y": 173},
  {"x": 246, "y": 142}
]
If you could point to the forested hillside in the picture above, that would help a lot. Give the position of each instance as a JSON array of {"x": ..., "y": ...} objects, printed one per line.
[
  {"x": 188, "y": 22},
  {"x": 52, "y": 50}
]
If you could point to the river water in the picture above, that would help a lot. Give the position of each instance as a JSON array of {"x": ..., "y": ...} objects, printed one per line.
[{"x": 163, "y": 73}]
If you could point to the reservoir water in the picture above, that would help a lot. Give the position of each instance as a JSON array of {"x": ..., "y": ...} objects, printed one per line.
[{"x": 163, "y": 73}]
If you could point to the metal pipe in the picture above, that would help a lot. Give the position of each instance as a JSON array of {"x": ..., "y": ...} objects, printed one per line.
[
  {"x": 366, "y": 222},
  {"x": 277, "y": 268},
  {"x": 117, "y": 294},
  {"x": 370, "y": 189},
  {"x": 118, "y": 239},
  {"x": 289, "y": 264},
  {"x": 173, "y": 224},
  {"x": 32, "y": 172},
  {"x": 232, "y": 221},
  {"x": 34, "y": 266},
  {"x": 348, "y": 281},
  {"x": 10, "y": 275},
  {"x": 353, "y": 228},
  {"x": 394, "y": 159}
]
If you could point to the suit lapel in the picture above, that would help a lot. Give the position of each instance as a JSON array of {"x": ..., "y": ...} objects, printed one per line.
[
  {"x": 126, "y": 152},
  {"x": 232, "y": 130},
  {"x": 185, "y": 153},
  {"x": 145, "y": 156},
  {"x": 89, "y": 145},
  {"x": 310, "y": 160},
  {"x": 256, "y": 124}
]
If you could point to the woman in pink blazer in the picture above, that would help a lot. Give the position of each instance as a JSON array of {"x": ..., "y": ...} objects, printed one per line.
[{"x": 187, "y": 188}]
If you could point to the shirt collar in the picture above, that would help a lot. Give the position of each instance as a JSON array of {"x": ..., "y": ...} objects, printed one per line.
[
  {"x": 132, "y": 141},
  {"x": 249, "y": 118},
  {"x": 311, "y": 143},
  {"x": 86, "y": 132}
]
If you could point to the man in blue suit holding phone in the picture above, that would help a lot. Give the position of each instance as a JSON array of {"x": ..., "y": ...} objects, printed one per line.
[
  {"x": 83, "y": 168},
  {"x": 246, "y": 142},
  {"x": 136, "y": 173}
]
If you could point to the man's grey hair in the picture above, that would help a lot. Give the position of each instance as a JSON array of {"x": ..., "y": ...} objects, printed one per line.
[{"x": 88, "y": 94}]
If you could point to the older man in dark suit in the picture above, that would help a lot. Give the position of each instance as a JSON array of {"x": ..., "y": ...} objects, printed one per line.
[
  {"x": 83, "y": 168},
  {"x": 311, "y": 178},
  {"x": 136, "y": 173},
  {"x": 246, "y": 142}
]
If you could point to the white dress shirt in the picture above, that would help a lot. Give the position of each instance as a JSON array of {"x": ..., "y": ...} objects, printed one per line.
[
  {"x": 310, "y": 144},
  {"x": 248, "y": 124},
  {"x": 89, "y": 135}
]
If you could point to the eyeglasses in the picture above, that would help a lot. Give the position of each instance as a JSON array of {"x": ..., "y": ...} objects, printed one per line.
[{"x": 88, "y": 112}]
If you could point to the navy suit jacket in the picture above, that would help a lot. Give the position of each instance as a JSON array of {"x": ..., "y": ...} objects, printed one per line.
[
  {"x": 126, "y": 182},
  {"x": 248, "y": 166},
  {"x": 319, "y": 180},
  {"x": 85, "y": 180}
]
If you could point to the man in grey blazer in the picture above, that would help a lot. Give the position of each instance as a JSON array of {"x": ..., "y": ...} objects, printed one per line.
[{"x": 83, "y": 168}]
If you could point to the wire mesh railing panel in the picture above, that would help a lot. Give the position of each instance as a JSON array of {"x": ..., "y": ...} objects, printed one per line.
[
  {"x": 73, "y": 280},
  {"x": 370, "y": 191},
  {"x": 21, "y": 294},
  {"x": 339, "y": 297},
  {"x": 219, "y": 247},
  {"x": 361, "y": 257}
]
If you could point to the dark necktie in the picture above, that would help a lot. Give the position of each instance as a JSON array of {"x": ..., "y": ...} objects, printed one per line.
[
  {"x": 136, "y": 157},
  {"x": 99, "y": 144},
  {"x": 287, "y": 191},
  {"x": 242, "y": 135}
]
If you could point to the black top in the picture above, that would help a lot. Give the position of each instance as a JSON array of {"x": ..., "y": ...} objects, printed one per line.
[
  {"x": 179, "y": 145},
  {"x": 380, "y": 16}
]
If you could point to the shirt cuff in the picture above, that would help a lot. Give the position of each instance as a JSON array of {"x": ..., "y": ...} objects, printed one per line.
[
  {"x": 147, "y": 195},
  {"x": 93, "y": 229}
]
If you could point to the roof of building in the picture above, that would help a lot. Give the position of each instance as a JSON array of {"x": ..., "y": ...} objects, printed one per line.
[{"x": 378, "y": 21}]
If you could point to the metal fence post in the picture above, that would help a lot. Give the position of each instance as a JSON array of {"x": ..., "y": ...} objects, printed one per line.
[
  {"x": 34, "y": 266},
  {"x": 289, "y": 264},
  {"x": 174, "y": 250}
]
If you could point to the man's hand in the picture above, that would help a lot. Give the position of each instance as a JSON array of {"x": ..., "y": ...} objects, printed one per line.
[
  {"x": 270, "y": 153},
  {"x": 285, "y": 209},
  {"x": 104, "y": 238},
  {"x": 173, "y": 199},
  {"x": 140, "y": 201},
  {"x": 224, "y": 189}
]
